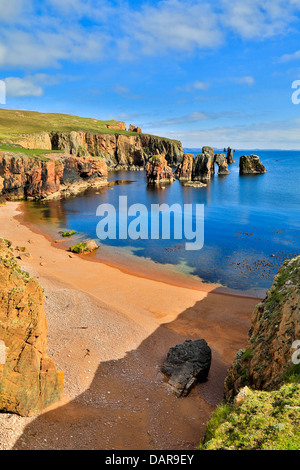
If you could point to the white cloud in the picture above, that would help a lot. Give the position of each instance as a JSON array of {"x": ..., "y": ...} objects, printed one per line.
[
  {"x": 247, "y": 80},
  {"x": 289, "y": 57},
  {"x": 125, "y": 92},
  {"x": 191, "y": 118},
  {"x": 174, "y": 25},
  {"x": 260, "y": 18},
  {"x": 264, "y": 135},
  {"x": 17, "y": 87},
  {"x": 20, "y": 87},
  {"x": 55, "y": 33},
  {"x": 200, "y": 85}
]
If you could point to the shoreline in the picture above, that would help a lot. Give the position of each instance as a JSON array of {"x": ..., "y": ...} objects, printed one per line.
[
  {"x": 161, "y": 274},
  {"x": 127, "y": 324}
]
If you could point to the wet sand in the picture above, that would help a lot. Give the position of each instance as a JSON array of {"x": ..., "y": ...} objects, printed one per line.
[{"x": 109, "y": 331}]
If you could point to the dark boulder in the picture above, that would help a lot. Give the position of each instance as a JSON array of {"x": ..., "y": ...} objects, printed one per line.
[{"x": 187, "y": 364}]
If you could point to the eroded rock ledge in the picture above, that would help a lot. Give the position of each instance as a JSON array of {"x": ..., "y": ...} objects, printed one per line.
[
  {"x": 30, "y": 177},
  {"x": 116, "y": 149},
  {"x": 29, "y": 381}
]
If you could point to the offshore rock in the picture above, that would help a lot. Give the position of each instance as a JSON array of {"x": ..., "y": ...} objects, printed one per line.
[
  {"x": 203, "y": 167},
  {"x": 230, "y": 156},
  {"x": 187, "y": 364},
  {"x": 267, "y": 361},
  {"x": 185, "y": 169},
  {"x": 158, "y": 171},
  {"x": 29, "y": 381},
  {"x": 221, "y": 160},
  {"x": 251, "y": 165}
]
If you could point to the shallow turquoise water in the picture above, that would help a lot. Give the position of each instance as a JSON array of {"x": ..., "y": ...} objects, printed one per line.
[{"x": 252, "y": 223}]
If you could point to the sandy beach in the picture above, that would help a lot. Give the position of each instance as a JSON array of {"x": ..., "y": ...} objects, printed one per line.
[{"x": 109, "y": 331}]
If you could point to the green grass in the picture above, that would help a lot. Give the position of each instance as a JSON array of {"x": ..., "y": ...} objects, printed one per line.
[
  {"x": 13, "y": 123},
  {"x": 31, "y": 152},
  {"x": 264, "y": 421},
  {"x": 70, "y": 233}
]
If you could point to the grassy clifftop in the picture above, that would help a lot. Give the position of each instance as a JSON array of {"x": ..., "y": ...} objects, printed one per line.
[
  {"x": 262, "y": 421},
  {"x": 13, "y": 123}
]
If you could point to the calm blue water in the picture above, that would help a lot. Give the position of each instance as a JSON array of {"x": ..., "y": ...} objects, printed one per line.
[{"x": 252, "y": 223}]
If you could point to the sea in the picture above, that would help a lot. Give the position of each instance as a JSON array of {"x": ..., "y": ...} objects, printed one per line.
[{"x": 251, "y": 223}]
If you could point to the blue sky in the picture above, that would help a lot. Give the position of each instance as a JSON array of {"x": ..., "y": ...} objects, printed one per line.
[{"x": 208, "y": 73}]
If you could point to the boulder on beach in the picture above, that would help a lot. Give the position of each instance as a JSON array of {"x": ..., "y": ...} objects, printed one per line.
[
  {"x": 84, "y": 247},
  {"x": 251, "y": 165},
  {"x": 187, "y": 364}
]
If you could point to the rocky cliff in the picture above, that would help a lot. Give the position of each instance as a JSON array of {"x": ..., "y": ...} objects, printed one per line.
[
  {"x": 262, "y": 388},
  {"x": 275, "y": 327},
  {"x": 28, "y": 378},
  {"x": 34, "y": 177},
  {"x": 119, "y": 150}
]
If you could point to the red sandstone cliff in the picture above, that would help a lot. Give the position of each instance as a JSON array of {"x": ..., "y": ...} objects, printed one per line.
[
  {"x": 29, "y": 380},
  {"x": 23, "y": 176}
]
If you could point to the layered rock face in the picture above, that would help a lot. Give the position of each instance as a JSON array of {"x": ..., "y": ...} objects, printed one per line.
[
  {"x": 23, "y": 176},
  {"x": 29, "y": 380},
  {"x": 275, "y": 328},
  {"x": 158, "y": 171},
  {"x": 187, "y": 364},
  {"x": 185, "y": 169},
  {"x": 251, "y": 165},
  {"x": 119, "y": 150}
]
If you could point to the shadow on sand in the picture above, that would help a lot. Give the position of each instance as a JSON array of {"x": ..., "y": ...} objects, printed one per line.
[{"x": 128, "y": 406}]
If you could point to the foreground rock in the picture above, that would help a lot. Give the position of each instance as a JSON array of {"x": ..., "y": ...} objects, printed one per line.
[
  {"x": 158, "y": 171},
  {"x": 251, "y": 165},
  {"x": 33, "y": 177},
  {"x": 29, "y": 381},
  {"x": 267, "y": 361},
  {"x": 187, "y": 364},
  {"x": 84, "y": 247},
  {"x": 263, "y": 385}
]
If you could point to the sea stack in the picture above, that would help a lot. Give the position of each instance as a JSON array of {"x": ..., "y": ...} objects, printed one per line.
[
  {"x": 251, "y": 165},
  {"x": 158, "y": 171},
  {"x": 221, "y": 160},
  {"x": 185, "y": 168},
  {"x": 230, "y": 156},
  {"x": 203, "y": 168}
]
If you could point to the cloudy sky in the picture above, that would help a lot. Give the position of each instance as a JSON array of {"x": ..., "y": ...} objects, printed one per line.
[{"x": 217, "y": 73}]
